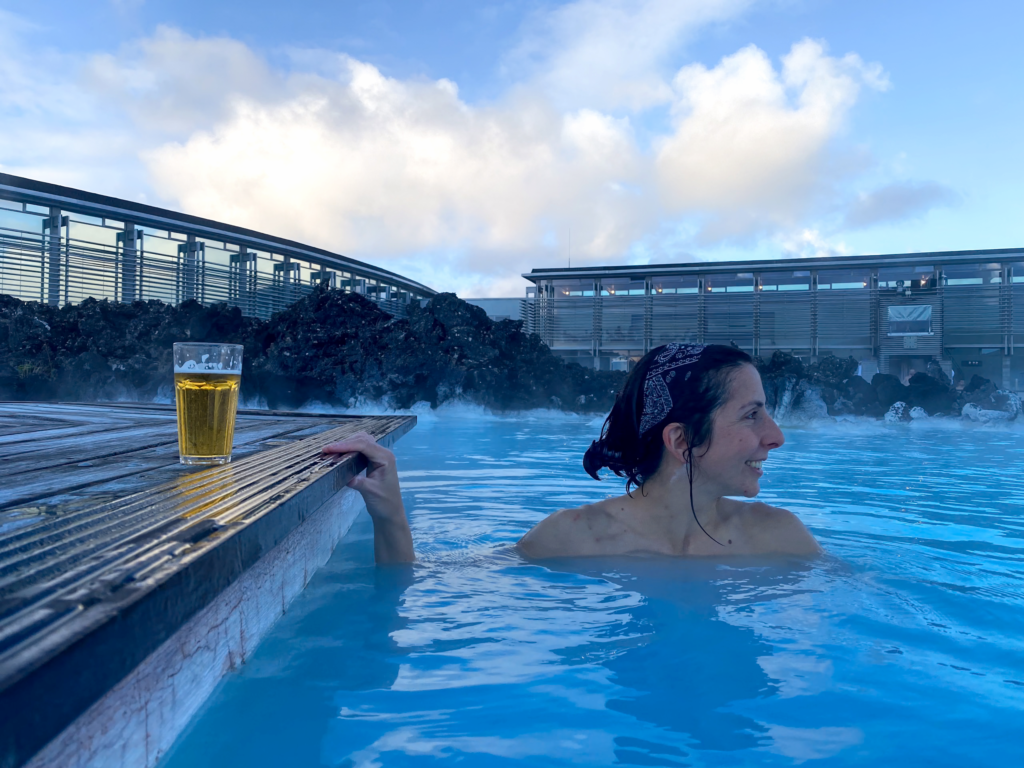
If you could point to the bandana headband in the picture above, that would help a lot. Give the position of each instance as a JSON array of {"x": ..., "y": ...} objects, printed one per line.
[{"x": 657, "y": 398}]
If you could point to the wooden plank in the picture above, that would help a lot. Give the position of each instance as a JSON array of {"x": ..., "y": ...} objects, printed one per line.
[
  {"x": 94, "y": 446},
  {"x": 33, "y": 486},
  {"x": 118, "y": 551}
]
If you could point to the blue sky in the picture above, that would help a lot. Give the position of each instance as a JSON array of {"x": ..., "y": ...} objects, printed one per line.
[{"x": 463, "y": 143}]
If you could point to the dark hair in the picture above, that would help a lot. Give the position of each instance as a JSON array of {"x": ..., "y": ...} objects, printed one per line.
[{"x": 695, "y": 398}]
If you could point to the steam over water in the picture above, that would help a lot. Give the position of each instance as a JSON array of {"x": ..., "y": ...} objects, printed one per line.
[{"x": 903, "y": 645}]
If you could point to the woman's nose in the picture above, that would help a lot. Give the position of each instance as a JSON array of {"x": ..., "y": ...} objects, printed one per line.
[{"x": 773, "y": 437}]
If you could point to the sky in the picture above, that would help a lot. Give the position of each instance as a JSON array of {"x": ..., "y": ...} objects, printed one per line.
[{"x": 464, "y": 143}]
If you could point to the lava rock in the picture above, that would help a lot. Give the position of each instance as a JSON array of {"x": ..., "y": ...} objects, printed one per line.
[
  {"x": 330, "y": 346},
  {"x": 889, "y": 389},
  {"x": 931, "y": 394},
  {"x": 983, "y": 393},
  {"x": 808, "y": 404},
  {"x": 779, "y": 394},
  {"x": 978, "y": 389},
  {"x": 917, "y": 412},
  {"x": 975, "y": 412},
  {"x": 861, "y": 396},
  {"x": 898, "y": 413},
  {"x": 831, "y": 371}
]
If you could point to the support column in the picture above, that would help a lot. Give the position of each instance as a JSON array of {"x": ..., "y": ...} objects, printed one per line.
[
  {"x": 755, "y": 341},
  {"x": 814, "y": 316},
  {"x": 875, "y": 326},
  {"x": 242, "y": 287},
  {"x": 188, "y": 269},
  {"x": 1006, "y": 318},
  {"x": 701, "y": 313},
  {"x": 598, "y": 324},
  {"x": 128, "y": 241},
  {"x": 51, "y": 256},
  {"x": 648, "y": 314}
]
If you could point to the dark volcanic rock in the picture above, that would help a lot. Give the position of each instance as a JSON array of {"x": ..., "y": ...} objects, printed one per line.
[
  {"x": 861, "y": 396},
  {"x": 982, "y": 392},
  {"x": 931, "y": 394},
  {"x": 331, "y": 347},
  {"x": 979, "y": 389},
  {"x": 889, "y": 389},
  {"x": 780, "y": 376},
  {"x": 831, "y": 371}
]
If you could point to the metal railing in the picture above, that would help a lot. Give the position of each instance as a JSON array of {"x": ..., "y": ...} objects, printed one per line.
[{"x": 60, "y": 245}]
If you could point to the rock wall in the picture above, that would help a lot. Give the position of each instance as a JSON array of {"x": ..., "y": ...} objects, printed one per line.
[
  {"x": 331, "y": 346},
  {"x": 334, "y": 347},
  {"x": 830, "y": 388}
]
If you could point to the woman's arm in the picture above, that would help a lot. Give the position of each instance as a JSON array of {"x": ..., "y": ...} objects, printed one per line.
[{"x": 392, "y": 539}]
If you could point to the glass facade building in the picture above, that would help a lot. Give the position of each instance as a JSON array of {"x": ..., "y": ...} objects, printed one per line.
[
  {"x": 60, "y": 245},
  {"x": 894, "y": 313}
]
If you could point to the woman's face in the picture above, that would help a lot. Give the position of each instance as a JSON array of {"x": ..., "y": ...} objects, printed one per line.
[{"x": 742, "y": 434}]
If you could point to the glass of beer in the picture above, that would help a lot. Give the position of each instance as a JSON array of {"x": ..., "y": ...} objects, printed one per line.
[{"x": 206, "y": 380}]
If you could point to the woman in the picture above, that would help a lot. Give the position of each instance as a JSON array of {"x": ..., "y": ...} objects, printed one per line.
[{"x": 688, "y": 430}]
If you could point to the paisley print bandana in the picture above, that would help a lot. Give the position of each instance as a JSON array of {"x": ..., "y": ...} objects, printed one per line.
[{"x": 657, "y": 397}]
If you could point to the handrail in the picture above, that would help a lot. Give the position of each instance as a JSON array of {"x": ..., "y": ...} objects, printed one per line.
[{"x": 67, "y": 199}]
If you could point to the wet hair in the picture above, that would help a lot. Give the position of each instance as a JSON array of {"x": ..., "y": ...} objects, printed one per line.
[{"x": 695, "y": 399}]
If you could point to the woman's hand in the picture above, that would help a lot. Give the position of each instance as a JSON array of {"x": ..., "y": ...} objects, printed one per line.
[{"x": 392, "y": 539}]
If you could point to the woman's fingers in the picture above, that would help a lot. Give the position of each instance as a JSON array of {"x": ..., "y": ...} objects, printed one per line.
[{"x": 363, "y": 443}]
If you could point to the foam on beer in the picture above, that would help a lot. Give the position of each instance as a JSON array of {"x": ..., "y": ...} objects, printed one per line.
[{"x": 191, "y": 366}]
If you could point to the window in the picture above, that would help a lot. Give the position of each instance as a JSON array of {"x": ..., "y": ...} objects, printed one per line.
[
  {"x": 737, "y": 282},
  {"x": 564, "y": 289},
  {"x": 672, "y": 284},
  {"x": 910, "y": 320},
  {"x": 622, "y": 287},
  {"x": 785, "y": 281}
]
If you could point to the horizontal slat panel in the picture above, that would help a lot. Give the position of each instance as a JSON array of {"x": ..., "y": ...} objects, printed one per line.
[
  {"x": 675, "y": 318},
  {"x": 974, "y": 315},
  {"x": 785, "y": 321},
  {"x": 844, "y": 319},
  {"x": 729, "y": 318}
]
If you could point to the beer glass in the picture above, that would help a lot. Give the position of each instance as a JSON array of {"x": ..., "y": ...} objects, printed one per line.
[{"x": 206, "y": 380}]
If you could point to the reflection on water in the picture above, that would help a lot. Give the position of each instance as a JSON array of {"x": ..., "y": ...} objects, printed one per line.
[{"x": 903, "y": 639}]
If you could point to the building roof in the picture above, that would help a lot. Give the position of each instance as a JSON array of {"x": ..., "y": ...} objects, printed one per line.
[{"x": 931, "y": 258}]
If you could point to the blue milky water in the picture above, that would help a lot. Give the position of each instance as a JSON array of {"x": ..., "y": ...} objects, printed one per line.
[{"x": 902, "y": 646}]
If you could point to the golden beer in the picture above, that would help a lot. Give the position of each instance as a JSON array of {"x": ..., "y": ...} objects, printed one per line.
[{"x": 207, "y": 401}]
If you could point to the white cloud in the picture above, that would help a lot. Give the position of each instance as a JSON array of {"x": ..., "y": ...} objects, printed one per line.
[
  {"x": 808, "y": 243},
  {"x": 610, "y": 54},
  {"x": 749, "y": 147},
  {"x": 172, "y": 83},
  {"x": 373, "y": 165},
  {"x": 407, "y": 174}
]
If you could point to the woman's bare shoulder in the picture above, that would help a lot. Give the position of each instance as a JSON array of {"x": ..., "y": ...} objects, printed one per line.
[
  {"x": 572, "y": 532},
  {"x": 775, "y": 530}
]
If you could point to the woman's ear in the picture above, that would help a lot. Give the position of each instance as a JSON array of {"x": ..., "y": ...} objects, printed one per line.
[{"x": 674, "y": 439}]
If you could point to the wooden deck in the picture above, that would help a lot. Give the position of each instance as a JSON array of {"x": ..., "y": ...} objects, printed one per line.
[{"x": 108, "y": 545}]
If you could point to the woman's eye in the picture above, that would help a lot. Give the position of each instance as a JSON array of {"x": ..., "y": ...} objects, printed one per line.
[{"x": 752, "y": 415}]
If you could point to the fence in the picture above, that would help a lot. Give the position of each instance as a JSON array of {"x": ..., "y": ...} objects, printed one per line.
[{"x": 61, "y": 246}]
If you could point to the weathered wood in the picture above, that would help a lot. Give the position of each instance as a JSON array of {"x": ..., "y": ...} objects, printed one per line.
[{"x": 108, "y": 545}]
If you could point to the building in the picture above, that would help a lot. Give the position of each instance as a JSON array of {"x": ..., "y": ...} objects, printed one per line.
[
  {"x": 60, "y": 245},
  {"x": 893, "y": 313}
]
